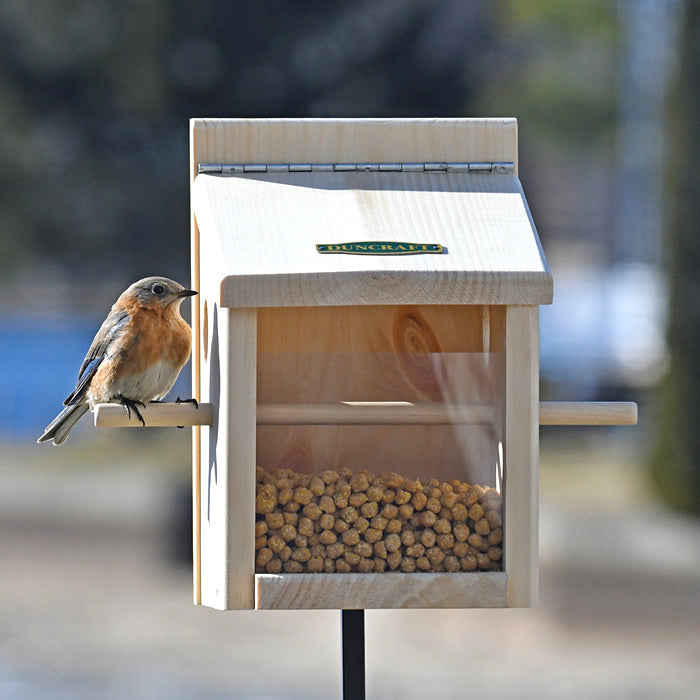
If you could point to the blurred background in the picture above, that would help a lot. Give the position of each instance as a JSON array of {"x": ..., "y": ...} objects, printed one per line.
[{"x": 95, "y": 97}]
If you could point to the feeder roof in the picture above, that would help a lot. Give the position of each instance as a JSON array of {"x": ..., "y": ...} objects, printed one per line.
[{"x": 264, "y": 229}]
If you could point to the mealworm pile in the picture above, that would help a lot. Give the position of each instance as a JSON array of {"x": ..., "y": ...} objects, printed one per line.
[{"x": 344, "y": 521}]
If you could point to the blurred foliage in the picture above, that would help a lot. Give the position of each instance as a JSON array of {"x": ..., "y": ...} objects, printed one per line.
[
  {"x": 95, "y": 96},
  {"x": 555, "y": 66},
  {"x": 558, "y": 70},
  {"x": 676, "y": 463}
]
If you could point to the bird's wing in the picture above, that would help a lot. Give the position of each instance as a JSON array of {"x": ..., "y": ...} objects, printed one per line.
[{"x": 111, "y": 329}]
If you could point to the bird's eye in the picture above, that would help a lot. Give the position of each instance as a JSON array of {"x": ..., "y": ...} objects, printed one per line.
[{"x": 158, "y": 289}]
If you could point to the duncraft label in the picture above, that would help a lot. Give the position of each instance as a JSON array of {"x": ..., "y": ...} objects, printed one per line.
[{"x": 380, "y": 248}]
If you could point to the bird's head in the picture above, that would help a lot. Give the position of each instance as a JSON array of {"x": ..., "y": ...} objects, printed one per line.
[{"x": 157, "y": 292}]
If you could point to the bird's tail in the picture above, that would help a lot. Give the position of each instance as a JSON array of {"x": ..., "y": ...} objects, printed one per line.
[{"x": 63, "y": 423}]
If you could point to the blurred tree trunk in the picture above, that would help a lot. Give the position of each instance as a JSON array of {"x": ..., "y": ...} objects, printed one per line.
[{"x": 676, "y": 462}]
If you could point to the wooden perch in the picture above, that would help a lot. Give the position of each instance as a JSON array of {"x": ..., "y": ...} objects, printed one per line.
[
  {"x": 367, "y": 413},
  {"x": 156, "y": 415},
  {"x": 588, "y": 413},
  {"x": 373, "y": 413}
]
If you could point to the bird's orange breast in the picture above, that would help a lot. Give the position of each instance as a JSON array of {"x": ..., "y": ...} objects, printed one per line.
[{"x": 155, "y": 337}]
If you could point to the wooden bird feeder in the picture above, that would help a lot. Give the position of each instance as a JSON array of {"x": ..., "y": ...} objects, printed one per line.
[{"x": 366, "y": 357}]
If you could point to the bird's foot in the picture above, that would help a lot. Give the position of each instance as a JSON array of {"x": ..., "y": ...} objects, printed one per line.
[
  {"x": 132, "y": 406},
  {"x": 192, "y": 401}
]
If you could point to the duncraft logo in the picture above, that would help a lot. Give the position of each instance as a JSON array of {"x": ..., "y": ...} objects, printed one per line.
[{"x": 380, "y": 248}]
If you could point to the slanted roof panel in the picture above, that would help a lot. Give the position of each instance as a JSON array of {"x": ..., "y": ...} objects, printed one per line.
[{"x": 265, "y": 228}]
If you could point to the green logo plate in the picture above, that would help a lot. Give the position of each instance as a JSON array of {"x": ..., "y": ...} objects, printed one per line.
[{"x": 380, "y": 248}]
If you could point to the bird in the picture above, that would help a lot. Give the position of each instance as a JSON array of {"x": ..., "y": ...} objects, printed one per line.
[{"x": 135, "y": 357}]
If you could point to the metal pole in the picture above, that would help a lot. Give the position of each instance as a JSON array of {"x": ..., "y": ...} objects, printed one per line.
[{"x": 353, "y": 632}]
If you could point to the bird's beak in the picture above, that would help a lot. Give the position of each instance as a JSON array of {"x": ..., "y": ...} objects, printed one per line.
[{"x": 187, "y": 293}]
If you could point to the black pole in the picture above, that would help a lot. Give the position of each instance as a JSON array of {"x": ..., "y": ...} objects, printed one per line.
[{"x": 353, "y": 630}]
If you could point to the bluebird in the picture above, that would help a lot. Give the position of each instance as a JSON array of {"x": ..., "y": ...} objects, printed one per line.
[{"x": 135, "y": 357}]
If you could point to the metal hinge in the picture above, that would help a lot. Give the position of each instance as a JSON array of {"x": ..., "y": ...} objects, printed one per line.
[{"x": 244, "y": 168}]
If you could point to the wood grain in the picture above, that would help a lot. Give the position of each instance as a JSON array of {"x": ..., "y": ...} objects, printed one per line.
[
  {"x": 228, "y": 463},
  {"x": 156, "y": 415},
  {"x": 388, "y": 590},
  {"x": 521, "y": 455},
  {"x": 354, "y": 140},
  {"x": 269, "y": 226}
]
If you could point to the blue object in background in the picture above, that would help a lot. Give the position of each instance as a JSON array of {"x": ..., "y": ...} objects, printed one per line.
[{"x": 39, "y": 363}]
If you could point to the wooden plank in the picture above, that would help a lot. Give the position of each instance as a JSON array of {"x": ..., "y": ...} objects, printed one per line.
[
  {"x": 207, "y": 272},
  {"x": 355, "y": 140},
  {"x": 521, "y": 496},
  {"x": 228, "y": 486},
  {"x": 387, "y": 590},
  {"x": 156, "y": 415},
  {"x": 196, "y": 381},
  {"x": 269, "y": 226}
]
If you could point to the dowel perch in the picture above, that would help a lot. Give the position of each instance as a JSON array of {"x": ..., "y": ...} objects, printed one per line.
[
  {"x": 373, "y": 413},
  {"x": 588, "y": 413},
  {"x": 156, "y": 415},
  {"x": 368, "y": 413},
  {"x": 405, "y": 413}
]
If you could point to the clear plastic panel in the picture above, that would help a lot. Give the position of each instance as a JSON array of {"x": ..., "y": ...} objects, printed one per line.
[{"x": 376, "y": 460}]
